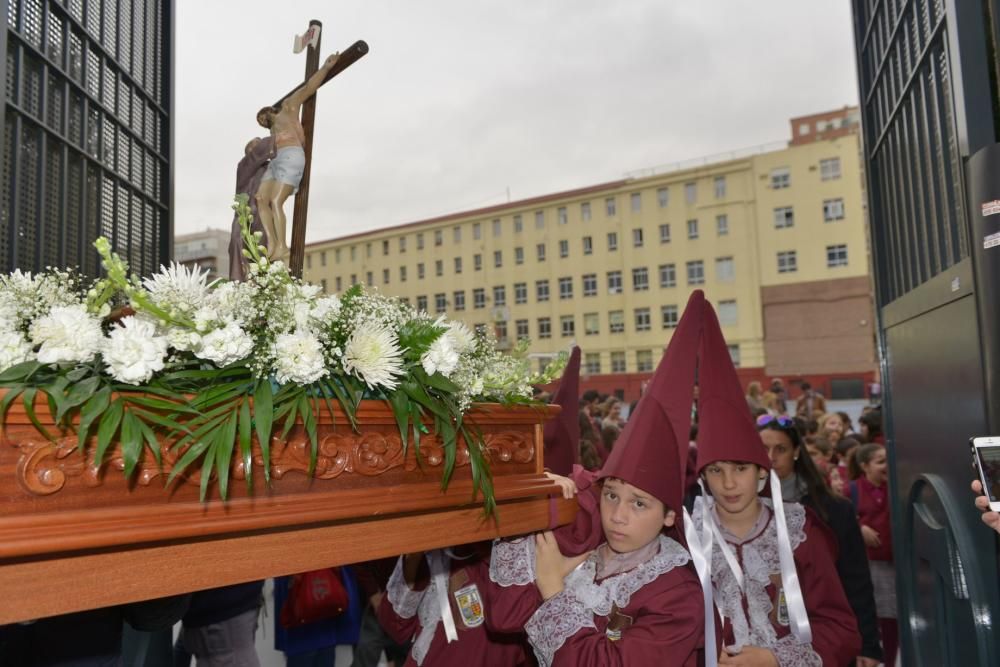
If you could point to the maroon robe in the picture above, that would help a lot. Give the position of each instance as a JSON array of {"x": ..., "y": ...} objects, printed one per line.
[
  {"x": 402, "y": 611},
  {"x": 249, "y": 173}
]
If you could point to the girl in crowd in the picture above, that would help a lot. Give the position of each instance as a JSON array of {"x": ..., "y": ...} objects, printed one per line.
[
  {"x": 772, "y": 575},
  {"x": 802, "y": 483},
  {"x": 870, "y": 494},
  {"x": 832, "y": 427},
  {"x": 870, "y": 427}
]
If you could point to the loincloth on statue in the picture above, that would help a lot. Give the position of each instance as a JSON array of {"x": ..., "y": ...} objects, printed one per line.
[{"x": 287, "y": 166}]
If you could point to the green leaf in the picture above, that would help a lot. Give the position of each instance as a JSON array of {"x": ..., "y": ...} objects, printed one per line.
[
  {"x": 150, "y": 436},
  {"x": 207, "y": 465},
  {"x": 92, "y": 409},
  {"x": 246, "y": 449},
  {"x": 224, "y": 453},
  {"x": 107, "y": 428},
  {"x": 173, "y": 427},
  {"x": 131, "y": 442},
  {"x": 401, "y": 410},
  {"x": 28, "y": 398},
  {"x": 78, "y": 394},
  {"x": 292, "y": 408},
  {"x": 309, "y": 421},
  {"x": 78, "y": 373},
  {"x": 196, "y": 449},
  {"x": 345, "y": 403},
  {"x": 417, "y": 393},
  {"x": 201, "y": 430},
  {"x": 5, "y": 403},
  {"x": 158, "y": 404},
  {"x": 20, "y": 372},
  {"x": 263, "y": 413}
]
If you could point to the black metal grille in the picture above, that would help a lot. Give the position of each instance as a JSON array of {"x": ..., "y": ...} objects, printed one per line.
[
  {"x": 914, "y": 161},
  {"x": 86, "y": 145}
]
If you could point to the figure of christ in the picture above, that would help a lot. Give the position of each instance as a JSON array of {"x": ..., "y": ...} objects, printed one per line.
[
  {"x": 285, "y": 171},
  {"x": 249, "y": 173}
]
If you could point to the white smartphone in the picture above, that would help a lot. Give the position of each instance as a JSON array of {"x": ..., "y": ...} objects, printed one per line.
[{"x": 986, "y": 453}]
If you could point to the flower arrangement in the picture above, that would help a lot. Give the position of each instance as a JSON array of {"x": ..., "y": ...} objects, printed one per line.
[{"x": 203, "y": 366}]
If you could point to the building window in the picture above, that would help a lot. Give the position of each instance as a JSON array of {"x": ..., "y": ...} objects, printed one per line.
[
  {"x": 336, "y": 257},
  {"x": 734, "y": 354},
  {"x": 385, "y": 247},
  {"x": 405, "y": 300},
  {"x": 784, "y": 217},
  {"x": 728, "y": 315},
  {"x": 725, "y": 271},
  {"x": 322, "y": 257},
  {"x": 520, "y": 293},
  {"x": 566, "y": 288},
  {"x": 519, "y": 255},
  {"x": 477, "y": 232},
  {"x": 836, "y": 255},
  {"x": 588, "y": 245},
  {"x": 499, "y": 295},
  {"x": 585, "y": 211},
  {"x": 439, "y": 267},
  {"x": 612, "y": 241},
  {"x": 592, "y": 363},
  {"x": 458, "y": 265},
  {"x": 610, "y": 207},
  {"x": 338, "y": 283},
  {"x": 368, "y": 250},
  {"x": 544, "y": 327},
  {"x": 309, "y": 261},
  {"x": 662, "y": 197},
  {"x": 402, "y": 244},
  {"x": 497, "y": 258},
  {"x": 561, "y": 214},
  {"x": 668, "y": 275},
  {"x": 829, "y": 169},
  {"x": 518, "y": 224},
  {"x": 478, "y": 298},
  {"x": 354, "y": 253},
  {"x": 539, "y": 219},
  {"x": 540, "y": 252},
  {"x": 636, "y": 199},
  {"x": 720, "y": 187},
  {"x": 402, "y": 274},
  {"x": 690, "y": 192},
  {"x": 614, "y": 282},
  {"x": 669, "y": 316},
  {"x": 440, "y": 303},
  {"x": 541, "y": 290},
  {"x": 354, "y": 279},
  {"x": 781, "y": 178},
  {"x": 370, "y": 279},
  {"x": 616, "y": 321},
  {"x": 787, "y": 262},
  {"x": 833, "y": 209},
  {"x": 643, "y": 361},
  {"x": 637, "y": 237},
  {"x": 457, "y": 234},
  {"x": 385, "y": 276},
  {"x": 420, "y": 241},
  {"x": 640, "y": 279},
  {"x": 642, "y": 319},
  {"x": 618, "y": 362},
  {"x": 591, "y": 324},
  {"x": 664, "y": 233},
  {"x": 722, "y": 225},
  {"x": 322, "y": 284},
  {"x": 438, "y": 237},
  {"x": 692, "y": 229},
  {"x": 422, "y": 303},
  {"x": 590, "y": 284},
  {"x": 564, "y": 248},
  {"x": 696, "y": 272},
  {"x": 500, "y": 329},
  {"x": 567, "y": 325},
  {"x": 477, "y": 262},
  {"x": 521, "y": 327},
  {"x": 496, "y": 227},
  {"x": 459, "y": 299}
]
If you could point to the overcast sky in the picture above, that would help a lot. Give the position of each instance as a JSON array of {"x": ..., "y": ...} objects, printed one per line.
[{"x": 459, "y": 100}]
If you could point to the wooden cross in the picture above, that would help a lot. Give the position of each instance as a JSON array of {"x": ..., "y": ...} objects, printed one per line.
[{"x": 347, "y": 58}]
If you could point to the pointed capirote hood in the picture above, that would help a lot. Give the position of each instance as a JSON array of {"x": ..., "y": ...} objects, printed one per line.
[{"x": 562, "y": 434}]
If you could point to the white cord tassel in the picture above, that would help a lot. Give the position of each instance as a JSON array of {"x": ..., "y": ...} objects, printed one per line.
[
  {"x": 797, "y": 615},
  {"x": 701, "y": 553},
  {"x": 437, "y": 560}
]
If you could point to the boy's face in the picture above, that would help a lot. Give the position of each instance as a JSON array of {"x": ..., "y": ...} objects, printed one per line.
[
  {"x": 733, "y": 484},
  {"x": 631, "y": 518}
]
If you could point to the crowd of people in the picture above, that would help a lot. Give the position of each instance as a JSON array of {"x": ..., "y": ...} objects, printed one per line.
[{"x": 715, "y": 527}]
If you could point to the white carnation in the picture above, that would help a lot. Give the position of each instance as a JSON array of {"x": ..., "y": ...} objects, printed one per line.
[
  {"x": 133, "y": 351},
  {"x": 14, "y": 349},
  {"x": 226, "y": 345},
  {"x": 183, "y": 339},
  {"x": 67, "y": 334},
  {"x": 326, "y": 307},
  {"x": 298, "y": 358},
  {"x": 441, "y": 357},
  {"x": 372, "y": 353},
  {"x": 205, "y": 318}
]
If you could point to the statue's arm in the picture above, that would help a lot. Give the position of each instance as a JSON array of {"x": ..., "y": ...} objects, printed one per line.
[{"x": 309, "y": 88}]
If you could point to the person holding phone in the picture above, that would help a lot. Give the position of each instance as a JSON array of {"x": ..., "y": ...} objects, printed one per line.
[{"x": 986, "y": 457}]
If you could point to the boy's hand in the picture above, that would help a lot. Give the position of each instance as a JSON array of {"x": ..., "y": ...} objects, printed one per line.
[
  {"x": 567, "y": 485},
  {"x": 551, "y": 567}
]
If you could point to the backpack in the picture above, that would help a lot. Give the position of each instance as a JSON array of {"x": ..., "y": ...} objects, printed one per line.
[{"x": 314, "y": 596}]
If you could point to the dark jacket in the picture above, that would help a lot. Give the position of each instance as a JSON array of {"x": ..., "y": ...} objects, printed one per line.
[{"x": 852, "y": 566}]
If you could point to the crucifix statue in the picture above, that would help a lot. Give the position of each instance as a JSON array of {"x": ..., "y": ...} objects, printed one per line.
[{"x": 290, "y": 121}]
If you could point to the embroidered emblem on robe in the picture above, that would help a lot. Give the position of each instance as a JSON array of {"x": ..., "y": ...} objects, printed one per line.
[
  {"x": 617, "y": 624},
  {"x": 470, "y": 606}
]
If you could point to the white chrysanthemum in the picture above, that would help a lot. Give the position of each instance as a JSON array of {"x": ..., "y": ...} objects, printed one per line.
[
  {"x": 441, "y": 357},
  {"x": 226, "y": 345},
  {"x": 462, "y": 338},
  {"x": 67, "y": 334},
  {"x": 298, "y": 358},
  {"x": 133, "y": 352},
  {"x": 14, "y": 349},
  {"x": 178, "y": 288},
  {"x": 372, "y": 353}
]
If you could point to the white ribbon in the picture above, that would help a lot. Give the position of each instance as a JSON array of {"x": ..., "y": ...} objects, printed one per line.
[
  {"x": 440, "y": 573},
  {"x": 701, "y": 554},
  {"x": 797, "y": 615}
]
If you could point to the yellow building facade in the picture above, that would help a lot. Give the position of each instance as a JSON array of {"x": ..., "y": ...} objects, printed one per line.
[{"x": 610, "y": 266}]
